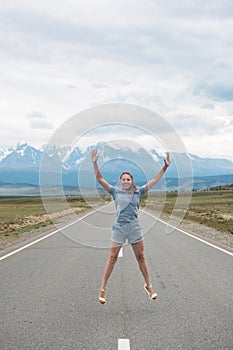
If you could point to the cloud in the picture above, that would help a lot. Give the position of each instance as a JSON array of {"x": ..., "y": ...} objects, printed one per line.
[
  {"x": 173, "y": 58},
  {"x": 36, "y": 114},
  {"x": 37, "y": 120},
  {"x": 218, "y": 91},
  {"x": 208, "y": 106},
  {"x": 40, "y": 124}
]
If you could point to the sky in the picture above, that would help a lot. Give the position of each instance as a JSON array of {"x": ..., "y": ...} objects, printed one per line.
[{"x": 59, "y": 58}]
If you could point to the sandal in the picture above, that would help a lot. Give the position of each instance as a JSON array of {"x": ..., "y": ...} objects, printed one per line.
[
  {"x": 152, "y": 296},
  {"x": 102, "y": 300}
]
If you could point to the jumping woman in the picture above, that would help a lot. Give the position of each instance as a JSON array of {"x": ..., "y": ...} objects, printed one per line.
[{"x": 127, "y": 200}]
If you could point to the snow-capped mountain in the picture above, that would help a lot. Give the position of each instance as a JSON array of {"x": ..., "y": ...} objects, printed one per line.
[
  {"x": 20, "y": 156},
  {"x": 206, "y": 166},
  {"x": 24, "y": 156},
  {"x": 21, "y": 164}
]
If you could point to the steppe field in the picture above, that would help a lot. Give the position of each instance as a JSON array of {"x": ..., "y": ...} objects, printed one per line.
[{"x": 210, "y": 208}]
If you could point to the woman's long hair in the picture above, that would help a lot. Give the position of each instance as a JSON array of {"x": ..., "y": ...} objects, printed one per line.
[{"x": 133, "y": 188}]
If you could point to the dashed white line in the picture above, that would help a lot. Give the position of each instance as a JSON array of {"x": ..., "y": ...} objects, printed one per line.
[
  {"x": 120, "y": 255},
  {"x": 123, "y": 344},
  {"x": 121, "y": 251}
]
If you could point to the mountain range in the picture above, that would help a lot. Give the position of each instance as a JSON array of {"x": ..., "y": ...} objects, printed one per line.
[{"x": 25, "y": 165}]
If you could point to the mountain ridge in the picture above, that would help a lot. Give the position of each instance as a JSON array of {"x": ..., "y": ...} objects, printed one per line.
[{"x": 22, "y": 164}]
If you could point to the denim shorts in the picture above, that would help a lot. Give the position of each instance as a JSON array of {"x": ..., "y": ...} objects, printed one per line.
[{"x": 130, "y": 231}]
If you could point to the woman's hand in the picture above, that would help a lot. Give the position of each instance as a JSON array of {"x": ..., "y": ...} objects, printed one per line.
[
  {"x": 167, "y": 161},
  {"x": 94, "y": 155}
]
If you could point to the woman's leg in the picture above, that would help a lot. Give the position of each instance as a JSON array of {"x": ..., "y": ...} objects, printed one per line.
[
  {"x": 138, "y": 249},
  {"x": 113, "y": 255}
]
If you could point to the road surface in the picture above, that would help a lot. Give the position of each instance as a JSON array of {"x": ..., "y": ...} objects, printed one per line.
[{"x": 49, "y": 292}]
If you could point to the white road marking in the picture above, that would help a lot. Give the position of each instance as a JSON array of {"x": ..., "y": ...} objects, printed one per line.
[
  {"x": 44, "y": 237},
  {"x": 121, "y": 252},
  {"x": 120, "y": 255},
  {"x": 189, "y": 234},
  {"x": 123, "y": 344}
]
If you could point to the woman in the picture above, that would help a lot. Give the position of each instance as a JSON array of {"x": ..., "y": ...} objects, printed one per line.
[{"x": 127, "y": 200}]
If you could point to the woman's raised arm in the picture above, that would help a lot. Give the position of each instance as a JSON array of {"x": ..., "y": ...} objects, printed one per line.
[
  {"x": 98, "y": 175},
  {"x": 158, "y": 176}
]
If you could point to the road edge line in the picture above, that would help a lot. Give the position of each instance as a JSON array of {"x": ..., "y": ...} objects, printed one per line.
[
  {"x": 44, "y": 237},
  {"x": 189, "y": 234}
]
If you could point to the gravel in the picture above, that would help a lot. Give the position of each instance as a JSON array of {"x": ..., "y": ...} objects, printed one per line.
[{"x": 210, "y": 234}]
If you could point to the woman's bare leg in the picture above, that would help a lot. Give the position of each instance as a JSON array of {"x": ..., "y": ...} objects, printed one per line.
[
  {"x": 138, "y": 249},
  {"x": 113, "y": 255}
]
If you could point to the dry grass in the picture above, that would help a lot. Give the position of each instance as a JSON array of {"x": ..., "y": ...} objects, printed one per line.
[
  {"x": 18, "y": 215},
  {"x": 211, "y": 208}
]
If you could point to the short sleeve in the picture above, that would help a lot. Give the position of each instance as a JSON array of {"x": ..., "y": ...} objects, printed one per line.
[
  {"x": 142, "y": 190},
  {"x": 112, "y": 191}
]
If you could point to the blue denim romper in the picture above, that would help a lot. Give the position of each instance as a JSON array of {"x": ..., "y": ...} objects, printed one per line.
[{"x": 127, "y": 226}]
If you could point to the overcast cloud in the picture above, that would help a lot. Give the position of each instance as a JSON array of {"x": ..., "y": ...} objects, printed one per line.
[{"x": 173, "y": 57}]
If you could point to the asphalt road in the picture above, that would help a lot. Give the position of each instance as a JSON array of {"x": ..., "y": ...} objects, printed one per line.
[{"x": 49, "y": 292}]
